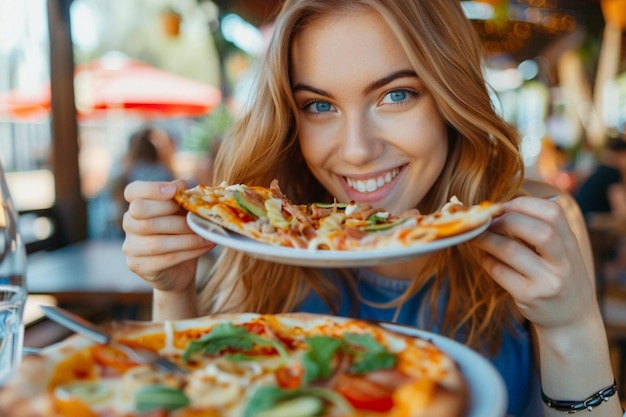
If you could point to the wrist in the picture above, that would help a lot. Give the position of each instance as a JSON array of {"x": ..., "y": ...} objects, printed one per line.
[
  {"x": 174, "y": 305},
  {"x": 574, "y": 360}
]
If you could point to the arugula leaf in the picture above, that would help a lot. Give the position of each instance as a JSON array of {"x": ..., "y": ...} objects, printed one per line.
[
  {"x": 317, "y": 360},
  {"x": 367, "y": 355},
  {"x": 266, "y": 398},
  {"x": 370, "y": 355},
  {"x": 161, "y": 397},
  {"x": 364, "y": 341},
  {"x": 227, "y": 336},
  {"x": 372, "y": 361}
]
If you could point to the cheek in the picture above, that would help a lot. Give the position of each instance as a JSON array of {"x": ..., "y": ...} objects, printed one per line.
[
  {"x": 313, "y": 148},
  {"x": 421, "y": 137}
]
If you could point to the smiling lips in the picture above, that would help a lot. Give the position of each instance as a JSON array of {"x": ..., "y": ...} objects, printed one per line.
[{"x": 372, "y": 184}]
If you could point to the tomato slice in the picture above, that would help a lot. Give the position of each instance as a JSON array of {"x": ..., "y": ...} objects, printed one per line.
[
  {"x": 364, "y": 394},
  {"x": 111, "y": 357},
  {"x": 289, "y": 377},
  {"x": 255, "y": 327}
]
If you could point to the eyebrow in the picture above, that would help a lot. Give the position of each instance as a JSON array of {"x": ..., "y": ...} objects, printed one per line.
[
  {"x": 371, "y": 87},
  {"x": 389, "y": 78}
]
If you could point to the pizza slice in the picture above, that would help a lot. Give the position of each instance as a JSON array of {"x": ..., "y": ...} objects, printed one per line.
[
  {"x": 267, "y": 215},
  {"x": 259, "y": 213}
]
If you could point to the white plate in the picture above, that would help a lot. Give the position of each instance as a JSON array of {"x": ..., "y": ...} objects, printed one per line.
[
  {"x": 320, "y": 258},
  {"x": 488, "y": 396}
]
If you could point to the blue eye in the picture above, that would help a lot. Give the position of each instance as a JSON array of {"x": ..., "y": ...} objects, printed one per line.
[
  {"x": 321, "y": 106},
  {"x": 397, "y": 96},
  {"x": 318, "y": 106}
]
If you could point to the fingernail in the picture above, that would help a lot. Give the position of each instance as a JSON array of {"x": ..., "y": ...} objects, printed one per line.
[{"x": 168, "y": 189}]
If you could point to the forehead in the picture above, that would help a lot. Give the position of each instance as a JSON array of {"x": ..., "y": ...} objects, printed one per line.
[{"x": 347, "y": 44}]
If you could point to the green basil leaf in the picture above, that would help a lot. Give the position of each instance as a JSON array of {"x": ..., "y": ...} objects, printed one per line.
[
  {"x": 227, "y": 336},
  {"x": 160, "y": 397},
  {"x": 363, "y": 340},
  {"x": 373, "y": 361},
  {"x": 317, "y": 360},
  {"x": 266, "y": 398},
  {"x": 369, "y": 354}
]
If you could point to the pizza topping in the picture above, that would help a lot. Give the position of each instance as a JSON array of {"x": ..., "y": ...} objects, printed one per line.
[
  {"x": 257, "y": 366},
  {"x": 204, "y": 391},
  {"x": 304, "y": 406},
  {"x": 111, "y": 357},
  {"x": 289, "y": 377},
  {"x": 251, "y": 203},
  {"x": 274, "y": 209},
  {"x": 88, "y": 391},
  {"x": 160, "y": 397},
  {"x": 266, "y": 399},
  {"x": 225, "y": 336},
  {"x": 365, "y": 352},
  {"x": 267, "y": 215},
  {"x": 364, "y": 394}
]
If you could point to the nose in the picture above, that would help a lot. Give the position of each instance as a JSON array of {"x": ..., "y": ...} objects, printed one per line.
[{"x": 360, "y": 143}]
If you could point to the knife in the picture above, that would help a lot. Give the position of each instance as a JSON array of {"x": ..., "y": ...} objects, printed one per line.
[
  {"x": 91, "y": 331},
  {"x": 76, "y": 323}
]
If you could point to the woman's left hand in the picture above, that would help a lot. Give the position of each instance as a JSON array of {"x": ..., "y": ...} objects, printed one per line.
[{"x": 534, "y": 255}]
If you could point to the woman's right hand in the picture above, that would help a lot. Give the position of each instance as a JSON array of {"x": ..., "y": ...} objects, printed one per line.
[{"x": 159, "y": 246}]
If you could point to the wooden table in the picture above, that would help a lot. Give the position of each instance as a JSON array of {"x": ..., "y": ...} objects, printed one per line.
[
  {"x": 89, "y": 278},
  {"x": 88, "y": 267}
]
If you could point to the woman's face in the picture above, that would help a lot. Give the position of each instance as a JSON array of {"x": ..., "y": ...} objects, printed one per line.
[{"x": 369, "y": 130}]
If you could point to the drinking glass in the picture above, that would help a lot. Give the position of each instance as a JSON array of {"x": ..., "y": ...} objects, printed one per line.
[
  {"x": 12, "y": 301},
  {"x": 12, "y": 284}
]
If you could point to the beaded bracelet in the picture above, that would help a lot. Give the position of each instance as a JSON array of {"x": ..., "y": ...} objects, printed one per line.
[{"x": 573, "y": 407}]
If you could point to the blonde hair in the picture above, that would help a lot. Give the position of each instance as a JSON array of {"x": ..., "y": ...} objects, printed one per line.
[{"x": 483, "y": 163}]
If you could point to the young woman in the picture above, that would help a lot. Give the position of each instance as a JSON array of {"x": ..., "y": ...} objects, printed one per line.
[{"x": 384, "y": 102}]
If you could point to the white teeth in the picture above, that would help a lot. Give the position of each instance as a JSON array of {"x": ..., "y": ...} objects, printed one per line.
[{"x": 373, "y": 184}]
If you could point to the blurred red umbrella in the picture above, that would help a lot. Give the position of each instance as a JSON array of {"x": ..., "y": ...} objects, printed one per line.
[{"x": 115, "y": 82}]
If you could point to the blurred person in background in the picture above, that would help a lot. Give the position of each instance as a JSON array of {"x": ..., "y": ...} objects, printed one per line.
[
  {"x": 148, "y": 158},
  {"x": 604, "y": 191}
]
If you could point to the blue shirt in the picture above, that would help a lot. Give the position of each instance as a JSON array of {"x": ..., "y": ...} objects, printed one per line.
[{"x": 514, "y": 361}]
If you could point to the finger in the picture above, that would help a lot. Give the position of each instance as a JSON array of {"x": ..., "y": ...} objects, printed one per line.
[
  {"x": 526, "y": 292},
  {"x": 172, "y": 225},
  {"x": 542, "y": 237},
  {"x": 149, "y": 267},
  {"x": 162, "y": 245},
  {"x": 508, "y": 278},
  {"x": 538, "y": 223},
  {"x": 145, "y": 209},
  {"x": 153, "y": 190},
  {"x": 539, "y": 208},
  {"x": 512, "y": 253}
]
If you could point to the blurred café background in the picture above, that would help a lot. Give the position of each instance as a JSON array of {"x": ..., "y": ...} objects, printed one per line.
[{"x": 79, "y": 77}]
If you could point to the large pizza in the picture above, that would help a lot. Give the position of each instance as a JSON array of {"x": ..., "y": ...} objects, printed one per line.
[
  {"x": 243, "y": 365},
  {"x": 266, "y": 215}
]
